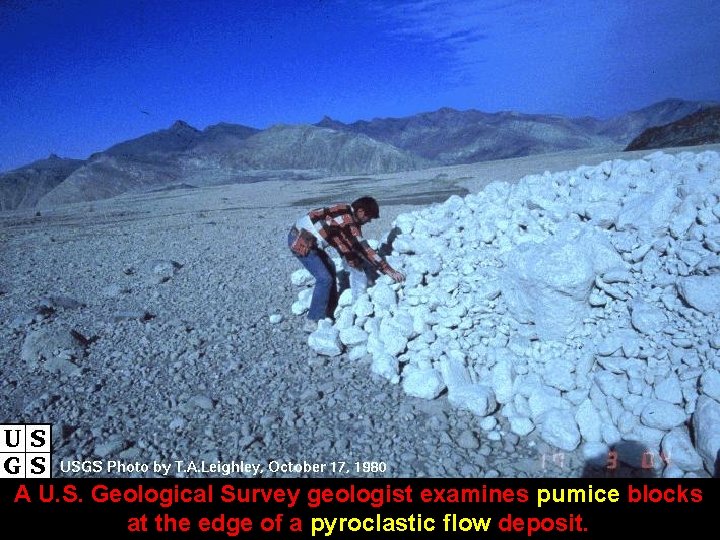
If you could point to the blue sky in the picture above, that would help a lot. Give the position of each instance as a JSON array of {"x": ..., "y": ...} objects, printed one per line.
[{"x": 77, "y": 77}]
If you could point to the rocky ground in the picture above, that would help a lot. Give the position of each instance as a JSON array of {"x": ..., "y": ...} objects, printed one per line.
[{"x": 141, "y": 328}]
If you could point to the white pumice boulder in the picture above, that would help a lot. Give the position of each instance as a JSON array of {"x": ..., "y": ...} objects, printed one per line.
[
  {"x": 301, "y": 278},
  {"x": 710, "y": 384},
  {"x": 706, "y": 424},
  {"x": 701, "y": 292},
  {"x": 677, "y": 448},
  {"x": 423, "y": 383},
  {"x": 463, "y": 392},
  {"x": 326, "y": 339},
  {"x": 560, "y": 429},
  {"x": 302, "y": 304}
]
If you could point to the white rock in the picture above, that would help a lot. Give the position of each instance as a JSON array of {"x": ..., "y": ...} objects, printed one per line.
[
  {"x": 621, "y": 338},
  {"x": 706, "y": 425},
  {"x": 647, "y": 436},
  {"x": 638, "y": 254},
  {"x": 357, "y": 352},
  {"x": 468, "y": 440},
  {"x": 627, "y": 422},
  {"x": 701, "y": 292},
  {"x": 589, "y": 422},
  {"x": 669, "y": 389},
  {"x": 672, "y": 471},
  {"x": 502, "y": 380},
  {"x": 647, "y": 318},
  {"x": 662, "y": 415},
  {"x": 603, "y": 214},
  {"x": 475, "y": 398},
  {"x": 559, "y": 429},
  {"x": 163, "y": 270},
  {"x": 387, "y": 366},
  {"x": 462, "y": 392},
  {"x": 683, "y": 218},
  {"x": 549, "y": 284},
  {"x": 345, "y": 299},
  {"x": 617, "y": 275},
  {"x": 519, "y": 405},
  {"x": 521, "y": 425},
  {"x": 543, "y": 399},
  {"x": 393, "y": 336},
  {"x": 325, "y": 340},
  {"x": 383, "y": 296},
  {"x": 363, "y": 307},
  {"x": 611, "y": 384},
  {"x": 610, "y": 434},
  {"x": 352, "y": 336},
  {"x": 488, "y": 423},
  {"x": 302, "y": 304},
  {"x": 344, "y": 319},
  {"x": 301, "y": 278},
  {"x": 558, "y": 373},
  {"x": 677, "y": 449},
  {"x": 710, "y": 384},
  {"x": 650, "y": 211},
  {"x": 425, "y": 384}
]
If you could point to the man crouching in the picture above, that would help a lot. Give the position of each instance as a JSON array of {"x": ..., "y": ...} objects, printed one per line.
[{"x": 338, "y": 226}]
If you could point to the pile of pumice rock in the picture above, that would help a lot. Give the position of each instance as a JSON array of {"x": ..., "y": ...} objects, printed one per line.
[{"x": 581, "y": 306}]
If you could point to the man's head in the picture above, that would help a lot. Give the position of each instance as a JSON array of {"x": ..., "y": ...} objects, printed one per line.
[{"x": 366, "y": 209}]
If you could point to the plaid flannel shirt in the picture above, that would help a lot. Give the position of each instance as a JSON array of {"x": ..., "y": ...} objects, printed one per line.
[{"x": 337, "y": 226}]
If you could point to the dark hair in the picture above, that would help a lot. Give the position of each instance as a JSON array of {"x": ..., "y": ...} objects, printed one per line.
[{"x": 369, "y": 204}]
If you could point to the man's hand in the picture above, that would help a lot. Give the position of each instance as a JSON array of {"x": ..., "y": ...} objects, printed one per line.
[{"x": 397, "y": 277}]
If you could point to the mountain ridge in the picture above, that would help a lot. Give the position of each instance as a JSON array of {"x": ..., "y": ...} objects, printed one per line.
[
  {"x": 700, "y": 127},
  {"x": 227, "y": 153}
]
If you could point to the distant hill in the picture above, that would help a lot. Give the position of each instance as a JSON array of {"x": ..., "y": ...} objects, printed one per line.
[
  {"x": 24, "y": 187},
  {"x": 450, "y": 137},
  {"x": 228, "y": 153},
  {"x": 318, "y": 148},
  {"x": 221, "y": 155},
  {"x": 626, "y": 127},
  {"x": 151, "y": 161},
  {"x": 222, "y": 137},
  {"x": 178, "y": 138},
  {"x": 106, "y": 176},
  {"x": 701, "y": 127}
]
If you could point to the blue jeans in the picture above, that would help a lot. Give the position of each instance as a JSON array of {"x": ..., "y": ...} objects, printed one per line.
[{"x": 325, "y": 294}]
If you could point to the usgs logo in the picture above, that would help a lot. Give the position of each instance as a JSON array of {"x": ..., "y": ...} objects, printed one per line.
[{"x": 25, "y": 450}]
